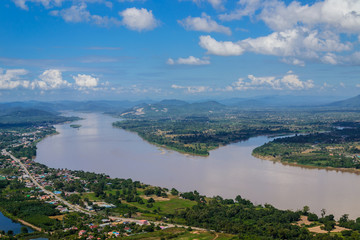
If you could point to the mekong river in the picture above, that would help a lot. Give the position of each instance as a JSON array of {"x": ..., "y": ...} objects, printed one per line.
[{"x": 228, "y": 171}]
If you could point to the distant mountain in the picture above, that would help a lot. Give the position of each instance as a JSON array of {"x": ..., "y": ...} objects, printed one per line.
[
  {"x": 171, "y": 102},
  {"x": 174, "y": 108},
  {"x": 17, "y": 117},
  {"x": 91, "y": 106},
  {"x": 353, "y": 102}
]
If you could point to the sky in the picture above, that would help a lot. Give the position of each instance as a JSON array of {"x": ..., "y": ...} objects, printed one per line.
[{"x": 184, "y": 49}]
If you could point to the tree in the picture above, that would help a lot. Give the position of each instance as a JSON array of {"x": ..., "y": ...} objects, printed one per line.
[
  {"x": 24, "y": 230},
  {"x": 174, "y": 192},
  {"x": 323, "y": 212},
  {"x": 306, "y": 210},
  {"x": 344, "y": 218}
]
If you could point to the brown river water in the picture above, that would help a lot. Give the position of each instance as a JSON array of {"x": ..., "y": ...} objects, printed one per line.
[{"x": 228, "y": 171}]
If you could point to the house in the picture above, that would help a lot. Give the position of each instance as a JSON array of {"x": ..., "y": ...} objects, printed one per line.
[
  {"x": 143, "y": 222},
  {"x": 82, "y": 232},
  {"x": 114, "y": 233}
]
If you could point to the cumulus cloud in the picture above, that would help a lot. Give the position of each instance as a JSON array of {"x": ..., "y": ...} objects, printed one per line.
[
  {"x": 226, "y": 48},
  {"x": 192, "y": 89},
  {"x": 139, "y": 19},
  {"x": 12, "y": 78},
  {"x": 86, "y": 81},
  {"x": 247, "y": 7},
  {"x": 203, "y": 24},
  {"x": 302, "y": 31},
  {"x": 50, "y": 79},
  {"x": 132, "y": 0},
  {"x": 46, "y": 3},
  {"x": 330, "y": 58},
  {"x": 217, "y": 4},
  {"x": 79, "y": 13},
  {"x": 297, "y": 43},
  {"x": 288, "y": 82},
  {"x": 191, "y": 60},
  {"x": 342, "y": 16},
  {"x": 294, "y": 61}
]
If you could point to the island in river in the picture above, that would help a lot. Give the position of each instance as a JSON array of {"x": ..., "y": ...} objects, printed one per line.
[
  {"x": 199, "y": 128},
  {"x": 338, "y": 149}
]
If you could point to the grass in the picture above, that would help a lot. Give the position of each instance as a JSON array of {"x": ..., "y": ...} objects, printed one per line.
[
  {"x": 173, "y": 205},
  {"x": 167, "y": 207}
]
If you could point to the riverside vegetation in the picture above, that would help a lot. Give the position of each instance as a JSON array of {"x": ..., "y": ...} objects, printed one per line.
[
  {"x": 338, "y": 148},
  {"x": 201, "y": 127}
]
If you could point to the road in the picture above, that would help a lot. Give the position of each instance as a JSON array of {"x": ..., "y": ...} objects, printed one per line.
[{"x": 63, "y": 201}]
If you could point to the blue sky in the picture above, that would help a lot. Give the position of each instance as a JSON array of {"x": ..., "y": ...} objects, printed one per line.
[{"x": 187, "y": 49}]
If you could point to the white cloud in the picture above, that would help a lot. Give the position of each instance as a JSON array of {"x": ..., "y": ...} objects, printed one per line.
[
  {"x": 57, "y": 3},
  {"x": 294, "y": 61},
  {"x": 86, "y": 81},
  {"x": 46, "y": 3},
  {"x": 339, "y": 15},
  {"x": 296, "y": 43},
  {"x": 12, "y": 78},
  {"x": 358, "y": 85},
  {"x": 132, "y": 0},
  {"x": 204, "y": 24},
  {"x": 220, "y": 48},
  {"x": 342, "y": 16},
  {"x": 302, "y": 31},
  {"x": 288, "y": 82},
  {"x": 79, "y": 13},
  {"x": 50, "y": 79},
  {"x": 192, "y": 89},
  {"x": 139, "y": 19},
  {"x": 217, "y": 4},
  {"x": 330, "y": 58},
  {"x": 76, "y": 13},
  {"x": 248, "y": 7},
  {"x": 191, "y": 60}
]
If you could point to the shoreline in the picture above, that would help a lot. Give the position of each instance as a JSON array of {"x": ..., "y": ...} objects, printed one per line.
[
  {"x": 20, "y": 221},
  {"x": 277, "y": 160}
]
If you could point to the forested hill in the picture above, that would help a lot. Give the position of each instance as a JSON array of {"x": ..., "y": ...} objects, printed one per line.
[
  {"x": 176, "y": 108},
  {"x": 21, "y": 117}
]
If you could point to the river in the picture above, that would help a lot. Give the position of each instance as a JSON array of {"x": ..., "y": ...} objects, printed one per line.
[{"x": 228, "y": 171}]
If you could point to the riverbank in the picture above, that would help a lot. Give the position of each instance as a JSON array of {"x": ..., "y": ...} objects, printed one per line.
[
  {"x": 18, "y": 220},
  {"x": 294, "y": 164}
]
